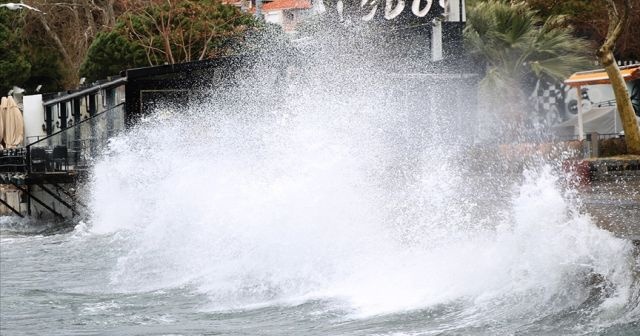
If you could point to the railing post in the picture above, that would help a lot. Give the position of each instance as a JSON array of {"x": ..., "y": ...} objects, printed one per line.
[
  {"x": 62, "y": 118},
  {"x": 92, "y": 105},
  {"x": 48, "y": 120},
  {"x": 28, "y": 158},
  {"x": 595, "y": 146}
]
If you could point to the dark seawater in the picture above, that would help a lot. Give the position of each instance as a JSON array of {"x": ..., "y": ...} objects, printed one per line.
[{"x": 84, "y": 282}]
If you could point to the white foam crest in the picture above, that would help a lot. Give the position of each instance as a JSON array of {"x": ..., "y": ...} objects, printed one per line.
[
  {"x": 301, "y": 210},
  {"x": 336, "y": 196}
]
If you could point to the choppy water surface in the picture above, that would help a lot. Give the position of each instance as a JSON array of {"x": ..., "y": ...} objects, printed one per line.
[
  {"x": 348, "y": 208},
  {"x": 310, "y": 230},
  {"x": 532, "y": 276}
]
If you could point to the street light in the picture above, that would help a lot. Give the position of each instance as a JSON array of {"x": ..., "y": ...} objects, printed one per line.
[{"x": 259, "y": 9}]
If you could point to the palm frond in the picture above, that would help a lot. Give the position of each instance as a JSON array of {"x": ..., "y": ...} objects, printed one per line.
[{"x": 512, "y": 38}]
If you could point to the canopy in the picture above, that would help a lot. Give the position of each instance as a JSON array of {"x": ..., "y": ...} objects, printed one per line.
[
  {"x": 630, "y": 72},
  {"x": 579, "y": 79},
  {"x": 603, "y": 120},
  {"x": 13, "y": 124},
  {"x": 3, "y": 110}
]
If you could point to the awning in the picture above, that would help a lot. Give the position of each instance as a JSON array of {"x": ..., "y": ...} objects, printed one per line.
[{"x": 630, "y": 72}]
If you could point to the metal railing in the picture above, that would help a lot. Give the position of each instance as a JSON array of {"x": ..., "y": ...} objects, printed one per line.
[
  {"x": 606, "y": 103},
  {"x": 13, "y": 160},
  {"x": 72, "y": 148}
]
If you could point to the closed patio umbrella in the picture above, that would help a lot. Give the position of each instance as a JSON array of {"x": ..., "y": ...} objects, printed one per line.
[
  {"x": 13, "y": 124},
  {"x": 3, "y": 111}
]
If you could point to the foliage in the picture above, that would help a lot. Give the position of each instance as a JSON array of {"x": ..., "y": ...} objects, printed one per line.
[
  {"x": 157, "y": 32},
  {"x": 46, "y": 69},
  {"x": 14, "y": 65},
  {"x": 182, "y": 31},
  {"x": 590, "y": 20},
  {"x": 612, "y": 147},
  {"x": 110, "y": 53},
  {"x": 26, "y": 59},
  {"x": 515, "y": 44},
  {"x": 63, "y": 35}
]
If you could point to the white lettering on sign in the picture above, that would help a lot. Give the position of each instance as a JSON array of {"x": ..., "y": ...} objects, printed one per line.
[
  {"x": 374, "y": 8},
  {"x": 393, "y": 8},
  {"x": 391, "y": 12},
  {"x": 453, "y": 10},
  {"x": 415, "y": 8}
]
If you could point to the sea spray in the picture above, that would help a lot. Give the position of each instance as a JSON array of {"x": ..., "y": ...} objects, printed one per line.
[
  {"x": 282, "y": 211},
  {"x": 353, "y": 195}
]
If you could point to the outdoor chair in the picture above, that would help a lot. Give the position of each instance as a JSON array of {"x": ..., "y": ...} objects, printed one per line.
[
  {"x": 4, "y": 158},
  {"x": 60, "y": 158},
  {"x": 38, "y": 160}
]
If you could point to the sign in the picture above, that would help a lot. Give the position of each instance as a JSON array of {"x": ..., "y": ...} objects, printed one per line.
[{"x": 372, "y": 10}]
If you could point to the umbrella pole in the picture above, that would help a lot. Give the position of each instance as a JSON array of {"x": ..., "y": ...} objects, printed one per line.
[{"x": 580, "y": 123}]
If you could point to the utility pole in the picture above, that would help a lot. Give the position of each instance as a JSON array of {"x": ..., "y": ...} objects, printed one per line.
[{"x": 259, "y": 9}]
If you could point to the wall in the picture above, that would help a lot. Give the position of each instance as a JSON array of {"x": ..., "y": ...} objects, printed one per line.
[
  {"x": 274, "y": 17},
  {"x": 33, "y": 115}
]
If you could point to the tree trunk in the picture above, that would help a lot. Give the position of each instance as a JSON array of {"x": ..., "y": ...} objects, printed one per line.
[
  {"x": 617, "y": 22},
  {"x": 56, "y": 39},
  {"x": 623, "y": 102}
]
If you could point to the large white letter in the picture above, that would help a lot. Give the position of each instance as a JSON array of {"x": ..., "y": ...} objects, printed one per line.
[
  {"x": 340, "y": 8},
  {"x": 415, "y": 8},
  {"x": 372, "y": 13},
  {"x": 389, "y": 13}
]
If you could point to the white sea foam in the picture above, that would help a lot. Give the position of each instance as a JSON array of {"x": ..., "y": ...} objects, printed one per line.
[
  {"x": 341, "y": 194},
  {"x": 253, "y": 216}
]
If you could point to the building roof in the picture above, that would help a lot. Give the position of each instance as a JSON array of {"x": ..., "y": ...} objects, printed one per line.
[
  {"x": 232, "y": 2},
  {"x": 600, "y": 76},
  {"x": 287, "y": 4}
]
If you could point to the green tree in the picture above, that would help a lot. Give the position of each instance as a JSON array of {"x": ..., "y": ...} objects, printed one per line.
[
  {"x": 14, "y": 66},
  {"x": 67, "y": 30},
  {"x": 515, "y": 43},
  {"x": 591, "y": 21},
  {"x": 110, "y": 53},
  {"x": 46, "y": 69},
  {"x": 156, "y": 32},
  {"x": 183, "y": 31}
]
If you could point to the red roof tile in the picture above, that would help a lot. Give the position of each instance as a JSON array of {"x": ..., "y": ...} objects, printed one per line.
[
  {"x": 287, "y": 4},
  {"x": 232, "y": 2}
]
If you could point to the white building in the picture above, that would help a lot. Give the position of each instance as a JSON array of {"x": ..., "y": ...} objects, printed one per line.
[{"x": 287, "y": 13}]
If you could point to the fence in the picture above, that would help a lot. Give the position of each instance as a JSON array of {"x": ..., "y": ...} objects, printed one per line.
[
  {"x": 72, "y": 148},
  {"x": 13, "y": 160}
]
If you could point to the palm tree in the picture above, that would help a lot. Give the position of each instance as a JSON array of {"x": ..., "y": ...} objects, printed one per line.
[{"x": 515, "y": 43}]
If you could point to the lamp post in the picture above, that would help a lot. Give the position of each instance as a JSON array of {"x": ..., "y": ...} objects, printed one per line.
[{"x": 259, "y": 9}]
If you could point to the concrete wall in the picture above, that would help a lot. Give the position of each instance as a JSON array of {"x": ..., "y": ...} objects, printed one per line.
[
  {"x": 274, "y": 17},
  {"x": 18, "y": 201},
  {"x": 33, "y": 115},
  {"x": 12, "y": 196}
]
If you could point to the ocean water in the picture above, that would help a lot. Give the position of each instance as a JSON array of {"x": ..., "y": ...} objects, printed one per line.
[
  {"x": 314, "y": 224},
  {"x": 544, "y": 270},
  {"x": 337, "y": 211}
]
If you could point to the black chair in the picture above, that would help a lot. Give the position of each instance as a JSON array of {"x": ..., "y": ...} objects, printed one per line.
[
  {"x": 60, "y": 158},
  {"x": 38, "y": 160},
  {"x": 17, "y": 160},
  {"x": 4, "y": 160}
]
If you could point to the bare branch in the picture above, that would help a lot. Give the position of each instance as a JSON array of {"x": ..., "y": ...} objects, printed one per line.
[{"x": 616, "y": 24}]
